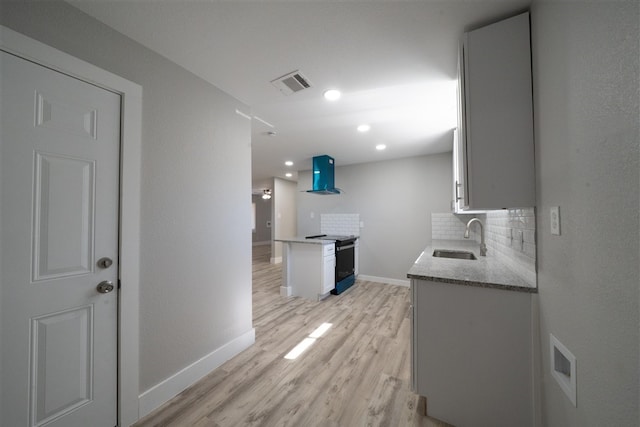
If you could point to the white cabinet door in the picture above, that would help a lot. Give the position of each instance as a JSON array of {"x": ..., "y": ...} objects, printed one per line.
[
  {"x": 471, "y": 349},
  {"x": 59, "y": 163},
  {"x": 496, "y": 148},
  {"x": 328, "y": 274},
  {"x": 460, "y": 203}
]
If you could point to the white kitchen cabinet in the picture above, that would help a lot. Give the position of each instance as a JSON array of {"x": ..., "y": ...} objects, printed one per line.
[
  {"x": 328, "y": 278},
  {"x": 460, "y": 201},
  {"x": 472, "y": 354},
  {"x": 494, "y": 148},
  {"x": 308, "y": 268}
]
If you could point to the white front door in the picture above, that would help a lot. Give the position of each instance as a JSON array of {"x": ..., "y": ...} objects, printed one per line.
[{"x": 59, "y": 171}]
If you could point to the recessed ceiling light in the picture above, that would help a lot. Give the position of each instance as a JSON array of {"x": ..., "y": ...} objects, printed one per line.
[
  {"x": 288, "y": 163},
  {"x": 288, "y": 174},
  {"x": 380, "y": 147},
  {"x": 364, "y": 128},
  {"x": 332, "y": 95}
]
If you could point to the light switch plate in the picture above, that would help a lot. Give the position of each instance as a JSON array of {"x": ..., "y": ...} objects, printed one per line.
[{"x": 555, "y": 220}]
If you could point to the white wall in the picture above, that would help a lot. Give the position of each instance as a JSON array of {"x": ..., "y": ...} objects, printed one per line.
[
  {"x": 195, "y": 290},
  {"x": 586, "y": 93},
  {"x": 394, "y": 199},
  {"x": 283, "y": 214}
]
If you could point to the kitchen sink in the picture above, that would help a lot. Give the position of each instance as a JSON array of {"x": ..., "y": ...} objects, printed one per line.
[{"x": 446, "y": 253}]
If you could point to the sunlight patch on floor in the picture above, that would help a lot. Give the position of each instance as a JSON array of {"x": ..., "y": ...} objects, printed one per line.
[{"x": 308, "y": 342}]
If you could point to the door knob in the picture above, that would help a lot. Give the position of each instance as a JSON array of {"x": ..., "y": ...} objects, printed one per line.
[
  {"x": 104, "y": 262},
  {"x": 105, "y": 287}
]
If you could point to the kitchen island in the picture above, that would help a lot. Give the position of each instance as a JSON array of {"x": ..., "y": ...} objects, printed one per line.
[
  {"x": 308, "y": 267},
  {"x": 472, "y": 338}
]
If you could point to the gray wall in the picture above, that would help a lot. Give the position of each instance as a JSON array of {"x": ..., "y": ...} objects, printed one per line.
[
  {"x": 394, "y": 199},
  {"x": 263, "y": 214},
  {"x": 195, "y": 289},
  {"x": 283, "y": 214},
  {"x": 586, "y": 91}
]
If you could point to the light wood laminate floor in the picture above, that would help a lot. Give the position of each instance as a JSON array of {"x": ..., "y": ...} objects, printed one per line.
[{"x": 356, "y": 374}]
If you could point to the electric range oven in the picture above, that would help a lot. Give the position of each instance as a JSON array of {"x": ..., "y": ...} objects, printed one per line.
[{"x": 345, "y": 261}]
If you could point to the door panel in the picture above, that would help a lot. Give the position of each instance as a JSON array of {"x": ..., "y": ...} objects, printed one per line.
[
  {"x": 62, "y": 116},
  {"x": 63, "y": 216},
  {"x": 59, "y": 180},
  {"x": 61, "y": 363}
]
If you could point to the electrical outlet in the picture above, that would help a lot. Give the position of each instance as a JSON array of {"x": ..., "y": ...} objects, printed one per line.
[{"x": 555, "y": 220}]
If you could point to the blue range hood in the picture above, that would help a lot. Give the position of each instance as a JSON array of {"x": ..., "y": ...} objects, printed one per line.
[{"x": 323, "y": 176}]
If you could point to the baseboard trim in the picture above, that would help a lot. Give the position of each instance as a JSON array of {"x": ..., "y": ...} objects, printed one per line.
[
  {"x": 276, "y": 260},
  {"x": 162, "y": 392},
  {"x": 385, "y": 280},
  {"x": 285, "y": 291}
]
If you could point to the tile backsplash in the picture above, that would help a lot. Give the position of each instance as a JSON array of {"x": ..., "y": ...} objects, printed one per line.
[
  {"x": 340, "y": 224},
  {"x": 510, "y": 234},
  {"x": 448, "y": 226}
]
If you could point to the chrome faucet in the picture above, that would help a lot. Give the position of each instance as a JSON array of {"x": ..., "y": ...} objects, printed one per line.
[{"x": 483, "y": 247}]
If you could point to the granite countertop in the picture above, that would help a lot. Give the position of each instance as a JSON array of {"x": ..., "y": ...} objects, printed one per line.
[
  {"x": 302, "y": 239},
  {"x": 305, "y": 240},
  {"x": 487, "y": 271}
]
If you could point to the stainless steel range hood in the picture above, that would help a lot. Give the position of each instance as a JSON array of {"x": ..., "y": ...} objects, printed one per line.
[{"x": 323, "y": 176}]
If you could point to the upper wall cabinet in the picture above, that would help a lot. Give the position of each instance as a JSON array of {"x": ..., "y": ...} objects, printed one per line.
[{"x": 493, "y": 145}]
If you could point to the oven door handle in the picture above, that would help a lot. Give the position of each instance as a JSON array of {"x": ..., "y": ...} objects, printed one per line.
[{"x": 342, "y": 248}]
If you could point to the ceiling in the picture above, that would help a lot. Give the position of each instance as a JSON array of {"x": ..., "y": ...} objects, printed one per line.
[{"x": 395, "y": 63}]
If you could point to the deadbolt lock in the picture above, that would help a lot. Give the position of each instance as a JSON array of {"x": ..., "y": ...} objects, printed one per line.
[{"x": 105, "y": 262}]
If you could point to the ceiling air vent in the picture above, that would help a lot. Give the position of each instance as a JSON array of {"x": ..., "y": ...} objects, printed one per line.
[{"x": 291, "y": 83}]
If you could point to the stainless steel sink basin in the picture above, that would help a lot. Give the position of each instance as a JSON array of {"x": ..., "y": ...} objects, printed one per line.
[{"x": 446, "y": 253}]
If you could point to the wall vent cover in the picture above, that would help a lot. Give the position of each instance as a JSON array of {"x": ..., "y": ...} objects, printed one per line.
[
  {"x": 563, "y": 367},
  {"x": 291, "y": 83}
]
